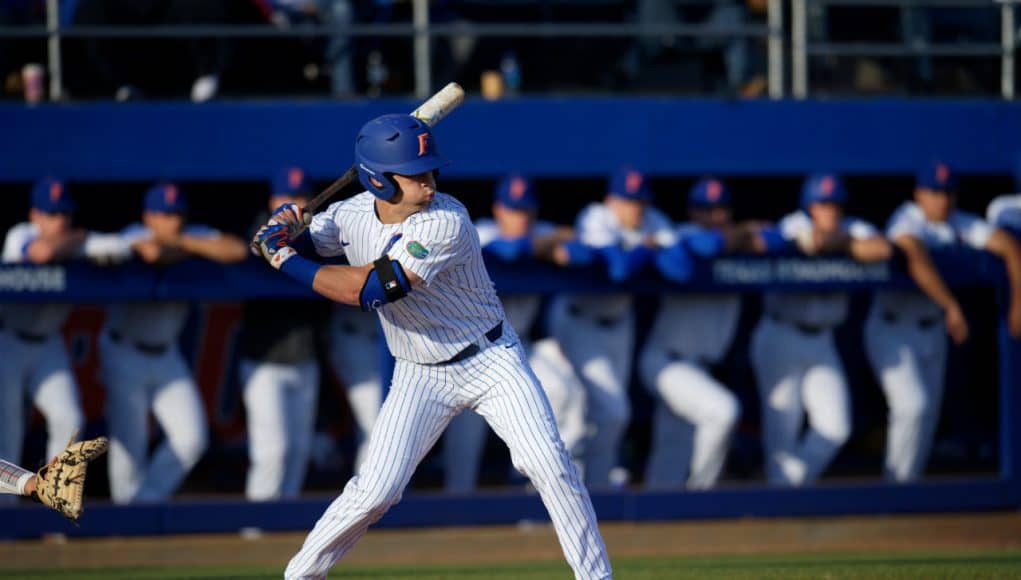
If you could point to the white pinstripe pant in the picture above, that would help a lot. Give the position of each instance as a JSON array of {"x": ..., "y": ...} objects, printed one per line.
[{"x": 498, "y": 384}]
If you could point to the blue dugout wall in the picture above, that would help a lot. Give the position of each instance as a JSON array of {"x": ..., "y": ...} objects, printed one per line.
[
  {"x": 543, "y": 137},
  {"x": 547, "y": 137}
]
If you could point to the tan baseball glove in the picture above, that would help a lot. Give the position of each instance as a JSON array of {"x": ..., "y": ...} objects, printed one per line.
[{"x": 60, "y": 484}]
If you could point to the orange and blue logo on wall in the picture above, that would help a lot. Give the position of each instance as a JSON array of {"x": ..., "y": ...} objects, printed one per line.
[
  {"x": 56, "y": 189},
  {"x": 423, "y": 144}
]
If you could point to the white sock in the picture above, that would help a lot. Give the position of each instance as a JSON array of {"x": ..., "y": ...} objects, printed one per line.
[{"x": 13, "y": 478}]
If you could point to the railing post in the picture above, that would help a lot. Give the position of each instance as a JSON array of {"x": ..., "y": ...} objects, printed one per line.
[
  {"x": 1008, "y": 41},
  {"x": 53, "y": 50},
  {"x": 776, "y": 72},
  {"x": 422, "y": 45},
  {"x": 799, "y": 57}
]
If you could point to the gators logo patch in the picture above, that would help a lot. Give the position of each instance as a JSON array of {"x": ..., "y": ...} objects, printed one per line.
[{"x": 417, "y": 250}]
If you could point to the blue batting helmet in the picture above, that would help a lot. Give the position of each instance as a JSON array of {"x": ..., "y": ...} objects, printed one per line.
[
  {"x": 394, "y": 144},
  {"x": 823, "y": 187}
]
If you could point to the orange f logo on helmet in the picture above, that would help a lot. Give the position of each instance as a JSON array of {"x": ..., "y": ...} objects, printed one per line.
[
  {"x": 423, "y": 144},
  {"x": 942, "y": 173},
  {"x": 294, "y": 177},
  {"x": 55, "y": 190}
]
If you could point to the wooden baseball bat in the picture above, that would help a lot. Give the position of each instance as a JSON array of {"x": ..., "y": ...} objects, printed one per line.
[{"x": 430, "y": 112}]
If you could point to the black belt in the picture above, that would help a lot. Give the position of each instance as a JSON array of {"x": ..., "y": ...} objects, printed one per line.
[
  {"x": 928, "y": 322},
  {"x": 29, "y": 337},
  {"x": 473, "y": 349},
  {"x": 800, "y": 326},
  {"x": 601, "y": 321},
  {"x": 142, "y": 347}
]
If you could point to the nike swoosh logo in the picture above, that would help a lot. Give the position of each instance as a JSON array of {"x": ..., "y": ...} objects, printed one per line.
[{"x": 344, "y": 244}]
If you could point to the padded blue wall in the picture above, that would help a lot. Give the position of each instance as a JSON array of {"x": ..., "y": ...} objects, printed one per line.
[{"x": 544, "y": 137}]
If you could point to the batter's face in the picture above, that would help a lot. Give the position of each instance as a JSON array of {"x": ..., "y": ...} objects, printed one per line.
[
  {"x": 936, "y": 205},
  {"x": 163, "y": 225},
  {"x": 826, "y": 215},
  {"x": 629, "y": 212},
  {"x": 415, "y": 191},
  {"x": 513, "y": 223},
  {"x": 715, "y": 216},
  {"x": 50, "y": 225}
]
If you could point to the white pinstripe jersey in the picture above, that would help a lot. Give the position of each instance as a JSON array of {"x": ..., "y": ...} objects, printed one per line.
[
  {"x": 960, "y": 229},
  {"x": 827, "y": 309},
  {"x": 454, "y": 306},
  {"x": 598, "y": 226}
]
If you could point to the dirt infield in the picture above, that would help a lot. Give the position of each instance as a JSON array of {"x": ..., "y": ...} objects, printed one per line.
[{"x": 538, "y": 542}]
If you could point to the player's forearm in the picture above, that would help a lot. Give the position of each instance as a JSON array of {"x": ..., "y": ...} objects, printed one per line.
[
  {"x": 225, "y": 249},
  {"x": 924, "y": 273},
  {"x": 42, "y": 251},
  {"x": 341, "y": 284},
  {"x": 875, "y": 249}
]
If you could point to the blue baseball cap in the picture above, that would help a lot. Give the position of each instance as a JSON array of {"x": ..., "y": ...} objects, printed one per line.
[
  {"x": 516, "y": 191},
  {"x": 290, "y": 181},
  {"x": 708, "y": 192},
  {"x": 52, "y": 196},
  {"x": 937, "y": 176},
  {"x": 629, "y": 183},
  {"x": 823, "y": 187},
  {"x": 165, "y": 198}
]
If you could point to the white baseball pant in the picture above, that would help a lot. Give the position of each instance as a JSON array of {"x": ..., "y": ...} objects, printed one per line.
[
  {"x": 465, "y": 438},
  {"x": 909, "y": 362},
  {"x": 135, "y": 382},
  {"x": 498, "y": 385},
  {"x": 600, "y": 352},
  {"x": 694, "y": 419},
  {"x": 280, "y": 404},
  {"x": 799, "y": 374},
  {"x": 41, "y": 373}
]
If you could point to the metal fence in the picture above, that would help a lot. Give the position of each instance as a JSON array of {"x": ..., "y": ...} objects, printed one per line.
[{"x": 783, "y": 43}]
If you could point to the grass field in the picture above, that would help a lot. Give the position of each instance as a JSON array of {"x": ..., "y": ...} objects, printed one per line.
[{"x": 986, "y": 564}]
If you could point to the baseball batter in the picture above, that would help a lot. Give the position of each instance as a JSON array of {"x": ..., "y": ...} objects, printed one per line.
[
  {"x": 35, "y": 365},
  {"x": 142, "y": 366},
  {"x": 597, "y": 331},
  {"x": 514, "y": 235},
  {"x": 416, "y": 260},
  {"x": 795, "y": 360},
  {"x": 905, "y": 331},
  {"x": 695, "y": 414}
]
